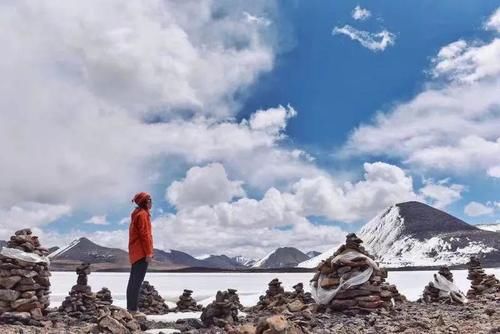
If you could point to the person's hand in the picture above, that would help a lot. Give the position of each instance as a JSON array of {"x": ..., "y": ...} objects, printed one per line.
[{"x": 148, "y": 259}]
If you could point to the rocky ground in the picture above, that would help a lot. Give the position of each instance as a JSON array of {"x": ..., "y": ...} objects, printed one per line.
[{"x": 410, "y": 317}]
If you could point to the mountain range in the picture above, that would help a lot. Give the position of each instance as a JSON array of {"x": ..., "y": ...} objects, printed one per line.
[
  {"x": 410, "y": 234},
  {"x": 414, "y": 234}
]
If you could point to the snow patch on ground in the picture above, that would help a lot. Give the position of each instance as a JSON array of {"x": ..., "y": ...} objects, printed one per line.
[{"x": 489, "y": 227}]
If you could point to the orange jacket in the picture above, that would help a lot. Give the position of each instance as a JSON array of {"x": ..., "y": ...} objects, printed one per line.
[{"x": 140, "y": 239}]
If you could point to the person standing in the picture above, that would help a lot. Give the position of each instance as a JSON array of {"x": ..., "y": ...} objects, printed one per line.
[{"x": 140, "y": 249}]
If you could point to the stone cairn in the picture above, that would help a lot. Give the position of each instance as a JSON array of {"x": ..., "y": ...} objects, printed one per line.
[
  {"x": 186, "y": 302},
  {"x": 150, "y": 301},
  {"x": 277, "y": 299},
  {"x": 299, "y": 293},
  {"x": 233, "y": 295},
  {"x": 482, "y": 285},
  {"x": 81, "y": 302},
  {"x": 103, "y": 297},
  {"x": 275, "y": 296},
  {"x": 223, "y": 311},
  {"x": 369, "y": 296},
  {"x": 84, "y": 305},
  {"x": 432, "y": 294},
  {"x": 24, "y": 286}
]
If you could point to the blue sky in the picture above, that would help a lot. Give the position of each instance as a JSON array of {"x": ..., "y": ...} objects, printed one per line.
[{"x": 255, "y": 123}]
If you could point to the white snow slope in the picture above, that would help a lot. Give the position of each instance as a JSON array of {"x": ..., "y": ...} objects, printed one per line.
[
  {"x": 383, "y": 238},
  {"x": 495, "y": 227}
]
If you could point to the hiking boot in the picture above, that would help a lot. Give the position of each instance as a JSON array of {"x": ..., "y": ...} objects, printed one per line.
[{"x": 138, "y": 315}]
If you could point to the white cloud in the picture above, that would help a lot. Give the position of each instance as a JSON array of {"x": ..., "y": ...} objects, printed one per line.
[
  {"x": 124, "y": 221},
  {"x": 463, "y": 62},
  {"x": 30, "y": 215},
  {"x": 206, "y": 185},
  {"x": 102, "y": 74},
  {"x": 97, "y": 220},
  {"x": 453, "y": 124},
  {"x": 372, "y": 41},
  {"x": 441, "y": 194},
  {"x": 382, "y": 185},
  {"x": 256, "y": 19},
  {"x": 493, "y": 22},
  {"x": 273, "y": 120},
  {"x": 360, "y": 14},
  {"x": 475, "y": 209}
]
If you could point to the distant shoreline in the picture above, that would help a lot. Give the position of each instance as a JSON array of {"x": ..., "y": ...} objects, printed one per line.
[{"x": 252, "y": 271}]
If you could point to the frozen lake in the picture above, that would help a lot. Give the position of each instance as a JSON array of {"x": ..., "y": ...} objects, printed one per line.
[{"x": 249, "y": 285}]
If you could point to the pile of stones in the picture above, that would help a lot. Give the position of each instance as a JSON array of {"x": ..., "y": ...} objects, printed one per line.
[
  {"x": 432, "y": 294},
  {"x": 482, "y": 285},
  {"x": 300, "y": 294},
  {"x": 103, "y": 297},
  {"x": 24, "y": 286},
  {"x": 186, "y": 302},
  {"x": 274, "y": 297},
  {"x": 223, "y": 311},
  {"x": 277, "y": 299},
  {"x": 371, "y": 295},
  {"x": 115, "y": 320},
  {"x": 81, "y": 302},
  {"x": 150, "y": 301}
]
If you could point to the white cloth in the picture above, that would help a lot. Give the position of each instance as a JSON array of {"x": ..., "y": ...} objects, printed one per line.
[
  {"x": 324, "y": 296},
  {"x": 18, "y": 254},
  {"x": 448, "y": 289}
]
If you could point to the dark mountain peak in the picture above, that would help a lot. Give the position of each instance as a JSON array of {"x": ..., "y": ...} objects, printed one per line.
[
  {"x": 283, "y": 257},
  {"x": 422, "y": 220}
]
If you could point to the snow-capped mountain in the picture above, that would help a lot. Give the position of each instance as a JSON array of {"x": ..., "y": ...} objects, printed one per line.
[
  {"x": 494, "y": 227},
  {"x": 284, "y": 257},
  {"x": 84, "y": 250},
  {"x": 314, "y": 261},
  {"x": 245, "y": 261},
  {"x": 416, "y": 234},
  {"x": 312, "y": 254}
]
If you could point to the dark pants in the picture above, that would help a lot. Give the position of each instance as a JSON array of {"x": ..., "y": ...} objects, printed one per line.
[{"x": 137, "y": 273}]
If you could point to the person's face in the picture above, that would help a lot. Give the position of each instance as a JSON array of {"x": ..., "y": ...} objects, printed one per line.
[{"x": 149, "y": 203}]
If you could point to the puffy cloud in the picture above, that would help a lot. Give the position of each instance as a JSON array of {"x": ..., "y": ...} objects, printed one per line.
[
  {"x": 273, "y": 120},
  {"x": 372, "y": 41},
  {"x": 29, "y": 214},
  {"x": 383, "y": 185},
  {"x": 460, "y": 61},
  {"x": 475, "y": 209},
  {"x": 442, "y": 194},
  {"x": 453, "y": 124},
  {"x": 204, "y": 186},
  {"x": 89, "y": 102},
  {"x": 360, "y": 14},
  {"x": 256, "y": 19},
  {"x": 493, "y": 22},
  {"x": 97, "y": 220}
]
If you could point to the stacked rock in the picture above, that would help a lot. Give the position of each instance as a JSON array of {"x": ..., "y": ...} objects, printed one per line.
[
  {"x": 349, "y": 261},
  {"x": 432, "y": 293},
  {"x": 150, "y": 301},
  {"x": 481, "y": 283},
  {"x": 25, "y": 240},
  {"x": 112, "y": 319},
  {"x": 275, "y": 296},
  {"x": 186, "y": 303},
  {"x": 103, "y": 297},
  {"x": 299, "y": 293},
  {"x": 233, "y": 296},
  {"x": 222, "y": 311},
  {"x": 81, "y": 302},
  {"x": 24, "y": 280}
]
